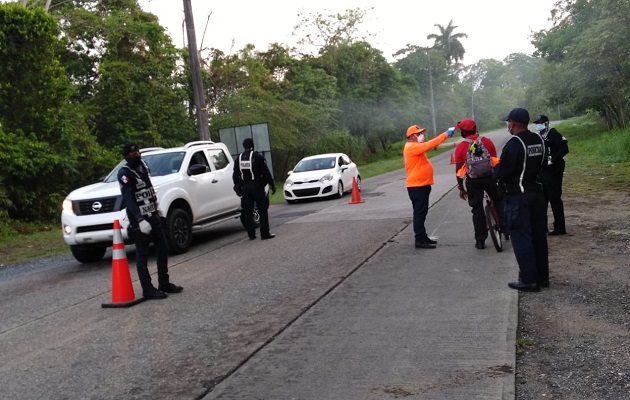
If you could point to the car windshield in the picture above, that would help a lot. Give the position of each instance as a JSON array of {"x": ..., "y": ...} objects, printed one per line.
[
  {"x": 159, "y": 165},
  {"x": 315, "y": 164}
]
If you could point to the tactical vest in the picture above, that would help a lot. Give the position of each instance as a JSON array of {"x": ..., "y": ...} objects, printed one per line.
[
  {"x": 144, "y": 194},
  {"x": 533, "y": 161},
  {"x": 246, "y": 166}
]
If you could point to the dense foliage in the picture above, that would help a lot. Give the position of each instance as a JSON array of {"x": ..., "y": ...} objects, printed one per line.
[{"x": 80, "y": 78}]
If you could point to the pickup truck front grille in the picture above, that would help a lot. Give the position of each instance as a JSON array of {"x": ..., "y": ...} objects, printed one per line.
[{"x": 98, "y": 206}]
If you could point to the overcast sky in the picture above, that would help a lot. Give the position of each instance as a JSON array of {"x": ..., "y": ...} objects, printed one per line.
[{"x": 495, "y": 28}]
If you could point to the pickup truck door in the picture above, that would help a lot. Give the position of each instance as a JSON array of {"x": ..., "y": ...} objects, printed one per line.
[
  {"x": 202, "y": 188},
  {"x": 222, "y": 185}
]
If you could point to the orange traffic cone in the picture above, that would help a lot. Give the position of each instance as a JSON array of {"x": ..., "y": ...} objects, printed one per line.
[
  {"x": 356, "y": 196},
  {"x": 122, "y": 289}
]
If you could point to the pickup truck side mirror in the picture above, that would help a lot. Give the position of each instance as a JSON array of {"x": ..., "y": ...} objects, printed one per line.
[{"x": 198, "y": 169}]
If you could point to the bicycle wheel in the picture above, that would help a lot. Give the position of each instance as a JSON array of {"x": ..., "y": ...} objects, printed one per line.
[{"x": 493, "y": 229}]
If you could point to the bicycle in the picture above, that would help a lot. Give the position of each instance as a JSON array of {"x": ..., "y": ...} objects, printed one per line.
[{"x": 493, "y": 222}]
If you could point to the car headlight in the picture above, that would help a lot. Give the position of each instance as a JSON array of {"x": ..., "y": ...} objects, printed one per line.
[
  {"x": 66, "y": 206},
  {"x": 326, "y": 178},
  {"x": 288, "y": 182}
]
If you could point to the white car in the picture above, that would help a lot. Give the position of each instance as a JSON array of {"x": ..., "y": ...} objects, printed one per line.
[
  {"x": 323, "y": 175},
  {"x": 193, "y": 184}
]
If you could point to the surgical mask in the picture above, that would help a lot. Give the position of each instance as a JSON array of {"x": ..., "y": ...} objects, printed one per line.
[
  {"x": 133, "y": 162},
  {"x": 540, "y": 127},
  {"x": 420, "y": 138}
]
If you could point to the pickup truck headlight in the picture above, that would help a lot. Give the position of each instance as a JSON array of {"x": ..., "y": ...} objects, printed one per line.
[{"x": 66, "y": 206}]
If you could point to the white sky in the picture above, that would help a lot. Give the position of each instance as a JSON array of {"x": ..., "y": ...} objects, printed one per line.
[{"x": 495, "y": 28}]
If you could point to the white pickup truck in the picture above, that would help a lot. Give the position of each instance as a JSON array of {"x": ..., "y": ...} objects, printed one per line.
[{"x": 194, "y": 189}]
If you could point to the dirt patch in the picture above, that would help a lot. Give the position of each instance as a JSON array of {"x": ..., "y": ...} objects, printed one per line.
[{"x": 580, "y": 326}]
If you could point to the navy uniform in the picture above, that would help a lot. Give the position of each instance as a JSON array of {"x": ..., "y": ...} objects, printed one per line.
[
  {"x": 250, "y": 177},
  {"x": 145, "y": 222},
  {"x": 522, "y": 159},
  {"x": 553, "y": 172}
]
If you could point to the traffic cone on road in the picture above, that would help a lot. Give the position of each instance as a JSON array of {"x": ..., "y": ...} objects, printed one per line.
[
  {"x": 122, "y": 289},
  {"x": 356, "y": 196}
]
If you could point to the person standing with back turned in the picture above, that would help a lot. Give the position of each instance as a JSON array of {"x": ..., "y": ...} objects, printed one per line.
[
  {"x": 522, "y": 159},
  {"x": 478, "y": 181},
  {"x": 420, "y": 178},
  {"x": 553, "y": 172},
  {"x": 250, "y": 176}
]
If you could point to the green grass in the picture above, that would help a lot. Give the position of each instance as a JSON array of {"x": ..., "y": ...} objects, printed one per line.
[
  {"x": 522, "y": 344},
  {"x": 598, "y": 160}
]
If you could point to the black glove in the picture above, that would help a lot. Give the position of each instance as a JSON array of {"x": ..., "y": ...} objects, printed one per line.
[
  {"x": 273, "y": 189},
  {"x": 238, "y": 190}
]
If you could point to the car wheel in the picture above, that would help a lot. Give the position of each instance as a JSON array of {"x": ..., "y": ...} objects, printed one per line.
[
  {"x": 87, "y": 254},
  {"x": 339, "y": 193},
  {"x": 359, "y": 183},
  {"x": 179, "y": 232}
]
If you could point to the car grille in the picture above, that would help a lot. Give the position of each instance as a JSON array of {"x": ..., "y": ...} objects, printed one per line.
[
  {"x": 98, "y": 206},
  {"x": 95, "y": 228},
  {"x": 306, "y": 192}
]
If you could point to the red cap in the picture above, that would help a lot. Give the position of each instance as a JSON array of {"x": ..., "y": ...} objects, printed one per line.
[{"x": 466, "y": 124}]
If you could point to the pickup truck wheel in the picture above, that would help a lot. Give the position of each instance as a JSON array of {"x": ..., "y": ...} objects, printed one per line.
[
  {"x": 87, "y": 254},
  {"x": 179, "y": 231}
]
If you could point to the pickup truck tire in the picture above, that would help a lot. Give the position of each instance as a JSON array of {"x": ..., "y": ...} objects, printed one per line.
[
  {"x": 179, "y": 231},
  {"x": 87, "y": 253}
]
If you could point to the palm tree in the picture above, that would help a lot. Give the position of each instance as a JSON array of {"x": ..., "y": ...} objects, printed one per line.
[{"x": 449, "y": 43}]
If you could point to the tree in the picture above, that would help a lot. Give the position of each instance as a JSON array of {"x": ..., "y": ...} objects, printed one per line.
[
  {"x": 588, "y": 51},
  {"x": 449, "y": 42},
  {"x": 125, "y": 69},
  {"x": 323, "y": 31}
]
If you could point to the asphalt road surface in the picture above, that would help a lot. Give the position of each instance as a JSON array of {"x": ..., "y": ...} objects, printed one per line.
[{"x": 340, "y": 305}]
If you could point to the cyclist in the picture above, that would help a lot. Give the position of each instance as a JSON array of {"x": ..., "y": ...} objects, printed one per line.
[{"x": 477, "y": 182}]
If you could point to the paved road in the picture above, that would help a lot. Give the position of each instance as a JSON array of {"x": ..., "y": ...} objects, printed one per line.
[{"x": 340, "y": 305}]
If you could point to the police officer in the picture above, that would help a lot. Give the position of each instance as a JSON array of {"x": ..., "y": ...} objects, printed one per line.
[
  {"x": 522, "y": 159},
  {"x": 250, "y": 177},
  {"x": 145, "y": 223},
  {"x": 552, "y": 173}
]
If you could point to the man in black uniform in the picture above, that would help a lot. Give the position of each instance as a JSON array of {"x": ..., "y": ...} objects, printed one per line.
[
  {"x": 522, "y": 159},
  {"x": 250, "y": 177},
  {"x": 552, "y": 173},
  {"x": 145, "y": 223}
]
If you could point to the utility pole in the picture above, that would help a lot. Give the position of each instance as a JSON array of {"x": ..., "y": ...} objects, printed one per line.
[
  {"x": 431, "y": 90},
  {"x": 195, "y": 72}
]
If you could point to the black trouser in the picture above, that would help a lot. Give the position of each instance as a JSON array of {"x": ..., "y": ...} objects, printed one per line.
[
  {"x": 254, "y": 194},
  {"x": 158, "y": 237},
  {"x": 551, "y": 178},
  {"x": 475, "y": 189},
  {"x": 526, "y": 217},
  {"x": 419, "y": 197}
]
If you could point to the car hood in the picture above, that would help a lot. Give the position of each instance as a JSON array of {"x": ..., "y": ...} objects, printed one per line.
[
  {"x": 111, "y": 189},
  {"x": 308, "y": 176}
]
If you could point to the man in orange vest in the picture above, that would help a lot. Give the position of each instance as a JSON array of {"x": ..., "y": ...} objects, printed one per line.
[{"x": 420, "y": 178}]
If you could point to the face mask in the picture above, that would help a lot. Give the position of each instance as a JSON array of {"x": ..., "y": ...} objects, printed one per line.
[
  {"x": 420, "y": 138},
  {"x": 462, "y": 133},
  {"x": 540, "y": 127},
  {"x": 133, "y": 162}
]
